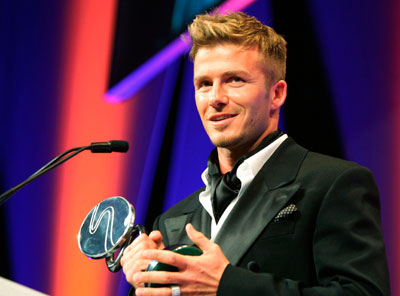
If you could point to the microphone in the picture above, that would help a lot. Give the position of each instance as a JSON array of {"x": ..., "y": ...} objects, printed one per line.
[
  {"x": 108, "y": 147},
  {"x": 95, "y": 147}
]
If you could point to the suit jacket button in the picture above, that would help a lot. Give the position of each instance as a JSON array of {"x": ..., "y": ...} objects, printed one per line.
[{"x": 253, "y": 266}]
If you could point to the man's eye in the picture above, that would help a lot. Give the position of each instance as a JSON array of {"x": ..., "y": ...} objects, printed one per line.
[
  {"x": 236, "y": 79},
  {"x": 205, "y": 84}
]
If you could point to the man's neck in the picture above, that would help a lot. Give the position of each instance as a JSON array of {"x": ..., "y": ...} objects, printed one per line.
[{"x": 227, "y": 157}]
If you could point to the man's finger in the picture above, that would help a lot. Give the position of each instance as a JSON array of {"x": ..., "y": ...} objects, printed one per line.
[
  {"x": 167, "y": 257},
  {"x": 198, "y": 238},
  {"x": 156, "y": 236},
  {"x": 157, "y": 277},
  {"x": 153, "y": 291}
]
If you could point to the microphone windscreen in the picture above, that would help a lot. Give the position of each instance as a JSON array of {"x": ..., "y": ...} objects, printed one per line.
[{"x": 119, "y": 146}]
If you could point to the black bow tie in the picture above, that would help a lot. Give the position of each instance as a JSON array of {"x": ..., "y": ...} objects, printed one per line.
[{"x": 225, "y": 187}]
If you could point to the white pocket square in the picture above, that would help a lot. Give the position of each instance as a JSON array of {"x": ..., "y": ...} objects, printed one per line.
[{"x": 286, "y": 213}]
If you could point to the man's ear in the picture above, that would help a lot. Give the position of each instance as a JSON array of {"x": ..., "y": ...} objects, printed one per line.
[{"x": 278, "y": 94}]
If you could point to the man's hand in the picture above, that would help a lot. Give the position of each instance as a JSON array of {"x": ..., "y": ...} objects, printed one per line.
[
  {"x": 132, "y": 260},
  {"x": 197, "y": 275}
]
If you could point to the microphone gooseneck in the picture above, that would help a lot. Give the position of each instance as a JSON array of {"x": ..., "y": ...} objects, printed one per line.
[{"x": 95, "y": 147}]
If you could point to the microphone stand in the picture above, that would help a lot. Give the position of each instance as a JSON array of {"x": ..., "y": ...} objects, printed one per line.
[{"x": 96, "y": 147}]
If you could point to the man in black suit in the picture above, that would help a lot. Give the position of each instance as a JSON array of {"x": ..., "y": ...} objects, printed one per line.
[{"x": 273, "y": 218}]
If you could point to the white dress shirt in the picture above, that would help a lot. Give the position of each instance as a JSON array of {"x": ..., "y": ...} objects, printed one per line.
[{"x": 245, "y": 173}]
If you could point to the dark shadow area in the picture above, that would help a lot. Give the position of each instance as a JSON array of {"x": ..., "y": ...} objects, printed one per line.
[{"x": 308, "y": 111}]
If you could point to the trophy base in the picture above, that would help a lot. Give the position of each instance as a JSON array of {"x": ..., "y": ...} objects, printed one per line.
[{"x": 154, "y": 265}]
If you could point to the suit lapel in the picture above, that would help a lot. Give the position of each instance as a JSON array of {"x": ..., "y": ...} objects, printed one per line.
[
  {"x": 268, "y": 193},
  {"x": 251, "y": 215},
  {"x": 175, "y": 226}
]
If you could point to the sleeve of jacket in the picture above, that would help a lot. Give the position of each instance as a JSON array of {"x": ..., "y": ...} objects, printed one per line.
[{"x": 348, "y": 248}]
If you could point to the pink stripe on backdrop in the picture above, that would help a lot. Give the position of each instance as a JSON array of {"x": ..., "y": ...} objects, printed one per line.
[
  {"x": 88, "y": 178},
  {"x": 394, "y": 40}
]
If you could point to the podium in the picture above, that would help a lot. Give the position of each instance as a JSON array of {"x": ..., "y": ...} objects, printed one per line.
[{"x": 10, "y": 288}]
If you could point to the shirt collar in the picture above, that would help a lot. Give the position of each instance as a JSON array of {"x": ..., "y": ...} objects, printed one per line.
[
  {"x": 246, "y": 173},
  {"x": 253, "y": 164}
]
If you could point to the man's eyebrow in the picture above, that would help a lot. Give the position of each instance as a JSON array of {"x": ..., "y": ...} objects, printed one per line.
[
  {"x": 200, "y": 78},
  {"x": 233, "y": 73},
  {"x": 227, "y": 73}
]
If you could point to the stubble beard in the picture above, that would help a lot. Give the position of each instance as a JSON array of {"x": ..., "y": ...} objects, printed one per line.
[
  {"x": 227, "y": 142},
  {"x": 241, "y": 141}
]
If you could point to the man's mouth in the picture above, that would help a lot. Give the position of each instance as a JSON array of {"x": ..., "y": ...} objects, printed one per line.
[{"x": 221, "y": 117}]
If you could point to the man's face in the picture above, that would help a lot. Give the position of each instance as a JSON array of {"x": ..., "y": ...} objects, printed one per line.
[{"x": 232, "y": 95}]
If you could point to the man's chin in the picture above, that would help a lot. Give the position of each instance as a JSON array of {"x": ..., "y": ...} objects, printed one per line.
[{"x": 226, "y": 142}]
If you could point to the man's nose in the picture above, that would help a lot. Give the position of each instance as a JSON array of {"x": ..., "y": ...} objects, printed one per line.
[{"x": 218, "y": 97}]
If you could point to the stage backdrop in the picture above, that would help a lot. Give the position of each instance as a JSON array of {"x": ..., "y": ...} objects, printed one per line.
[{"x": 60, "y": 69}]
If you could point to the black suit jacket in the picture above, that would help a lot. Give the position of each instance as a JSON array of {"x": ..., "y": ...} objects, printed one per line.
[{"x": 331, "y": 245}]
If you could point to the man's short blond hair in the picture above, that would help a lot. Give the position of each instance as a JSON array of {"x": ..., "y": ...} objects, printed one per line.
[{"x": 240, "y": 29}]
